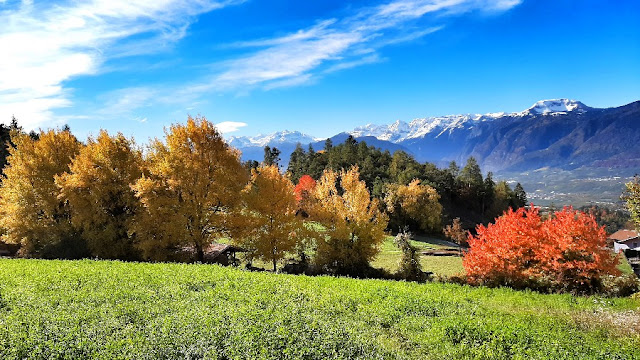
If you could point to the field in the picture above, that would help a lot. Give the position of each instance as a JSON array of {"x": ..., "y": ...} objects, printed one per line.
[
  {"x": 390, "y": 255},
  {"x": 103, "y": 309}
]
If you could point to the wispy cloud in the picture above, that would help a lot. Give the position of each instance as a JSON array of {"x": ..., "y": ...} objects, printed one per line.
[
  {"x": 47, "y": 44},
  {"x": 226, "y": 127},
  {"x": 337, "y": 44}
]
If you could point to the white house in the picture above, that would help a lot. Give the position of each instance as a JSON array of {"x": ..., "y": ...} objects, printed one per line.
[{"x": 625, "y": 239}]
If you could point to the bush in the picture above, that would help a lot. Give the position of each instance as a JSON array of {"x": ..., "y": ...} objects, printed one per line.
[
  {"x": 410, "y": 268},
  {"x": 625, "y": 285},
  {"x": 566, "y": 252}
]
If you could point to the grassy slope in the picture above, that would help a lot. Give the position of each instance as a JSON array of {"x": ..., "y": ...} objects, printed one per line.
[{"x": 101, "y": 309}]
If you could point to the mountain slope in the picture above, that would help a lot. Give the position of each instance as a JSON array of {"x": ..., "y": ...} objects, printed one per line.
[{"x": 559, "y": 133}]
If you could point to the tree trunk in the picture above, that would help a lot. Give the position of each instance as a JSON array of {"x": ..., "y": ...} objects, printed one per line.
[{"x": 199, "y": 253}]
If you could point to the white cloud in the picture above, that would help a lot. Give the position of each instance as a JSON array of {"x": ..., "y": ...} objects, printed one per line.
[
  {"x": 336, "y": 44},
  {"x": 47, "y": 44},
  {"x": 226, "y": 127}
]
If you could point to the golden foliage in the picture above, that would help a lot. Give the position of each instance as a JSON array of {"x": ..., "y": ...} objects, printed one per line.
[
  {"x": 273, "y": 230},
  {"x": 354, "y": 224},
  {"x": 30, "y": 210},
  {"x": 414, "y": 203},
  {"x": 98, "y": 189},
  {"x": 191, "y": 192},
  {"x": 456, "y": 233}
]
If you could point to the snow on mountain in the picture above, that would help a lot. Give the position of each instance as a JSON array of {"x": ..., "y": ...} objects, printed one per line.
[
  {"x": 274, "y": 139},
  {"x": 400, "y": 131},
  {"x": 555, "y": 106}
]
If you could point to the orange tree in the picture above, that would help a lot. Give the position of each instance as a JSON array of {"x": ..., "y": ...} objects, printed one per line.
[
  {"x": 303, "y": 192},
  {"x": 565, "y": 252}
]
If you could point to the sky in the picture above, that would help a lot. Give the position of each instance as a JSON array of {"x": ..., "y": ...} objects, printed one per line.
[{"x": 319, "y": 67}]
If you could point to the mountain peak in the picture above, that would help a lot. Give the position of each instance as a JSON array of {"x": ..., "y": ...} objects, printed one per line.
[
  {"x": 556, "y": 106},
  {"x": 273, "y": 139}
]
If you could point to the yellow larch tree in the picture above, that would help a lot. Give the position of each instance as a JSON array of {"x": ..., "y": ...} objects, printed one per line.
[
  {"x": 98, "y": 188},
  {"x": 273, "y": 230},
  {"x": 414, "y": 204},
  {"x": 355, "y": 226},
  {"x": 191, "y": 192},
  {"x": 31, "y": 211}
]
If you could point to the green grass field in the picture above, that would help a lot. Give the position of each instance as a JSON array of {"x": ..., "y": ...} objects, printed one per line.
[
  {"x": 390, "y": 255},
  {"x": 106, "y": 310}
]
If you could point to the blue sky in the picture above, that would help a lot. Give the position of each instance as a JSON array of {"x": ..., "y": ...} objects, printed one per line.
[{"x": 319, "y": 67}]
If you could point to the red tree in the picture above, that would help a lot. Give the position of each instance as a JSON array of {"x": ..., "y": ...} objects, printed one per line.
[
  {"x": 575, "y": 253},
  {"x": 305, "y": 186},
  {"x": 567, "y": 251}
]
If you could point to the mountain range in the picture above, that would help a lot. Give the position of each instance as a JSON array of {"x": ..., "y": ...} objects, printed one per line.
[{"x": 549, "y": 137}]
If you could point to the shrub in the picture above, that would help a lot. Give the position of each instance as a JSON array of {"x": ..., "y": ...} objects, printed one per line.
[
  {"x": 566, "y": 252},
  {"x": 410, "y": 268}
]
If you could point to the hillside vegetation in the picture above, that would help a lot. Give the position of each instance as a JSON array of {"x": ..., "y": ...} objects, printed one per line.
[{"x": 105, "y": 309}]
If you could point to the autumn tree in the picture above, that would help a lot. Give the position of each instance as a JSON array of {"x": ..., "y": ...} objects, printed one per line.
[
  {"x": 413, "y": 205},
  {"x": 456, "y": 233},
  {"x": 272, "y": 230},
  {"x": 564, "y": 252},
  {"x": 631, "y": 197},
  {"x": 98, "y": 189},
  {"x": 354, "y": 225},
  {"x": 191, "y": 192},
  {"x": 31, "y": 211},
  {"x": 304, "y": 193},
  {"x": 575, "y": 254}
]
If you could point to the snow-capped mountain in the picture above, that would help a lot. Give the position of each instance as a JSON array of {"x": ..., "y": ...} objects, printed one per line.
[
  {"x": 400, "y": 131},
  {"x": 562, "y": 133},
  {"x": 275, "y": 139},
  {"x": 557, "y": 106}
]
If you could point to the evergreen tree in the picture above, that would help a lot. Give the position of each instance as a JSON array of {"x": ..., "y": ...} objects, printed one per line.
[
  {"x": 271, "y": 156},
  {"x": 454, "y": 169},
  {"x": 297, "y": 164},
  {"x": 328, "y": 144},
  {"x": 488, "y": 192},
  {"x": 519, "y": 197}
]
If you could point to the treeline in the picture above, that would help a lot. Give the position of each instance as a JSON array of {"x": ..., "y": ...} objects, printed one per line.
[
  {"x": 107, "y": 199},
  {"x": 463, "y": 192}
]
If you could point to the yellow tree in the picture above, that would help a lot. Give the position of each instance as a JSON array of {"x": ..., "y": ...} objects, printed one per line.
[
  {"x": 191, "y": 192},
  {"x": 414, "y": 204},
  {"x": 98, "y": 188},
  {"x": 273, "y": 229},
  {"x": 30, "y": 210},
  {"x": 632, "y": 198},
  {"x": 354, "y": 224}
]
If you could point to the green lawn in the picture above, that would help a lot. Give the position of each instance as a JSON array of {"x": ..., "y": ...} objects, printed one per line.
[
  {"x": 107, "y": 310},
  {"x": 390, "y": 255}
]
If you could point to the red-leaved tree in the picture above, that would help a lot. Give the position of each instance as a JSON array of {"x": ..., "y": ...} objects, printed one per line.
[
  {"x": 303, "y": 192},
  {"x": 565, "y": 252}
]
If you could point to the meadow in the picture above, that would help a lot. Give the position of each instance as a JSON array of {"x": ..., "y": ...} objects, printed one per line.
[
  {"x": 110, "y": 309},
  {"x": 390, "y": 254}
]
